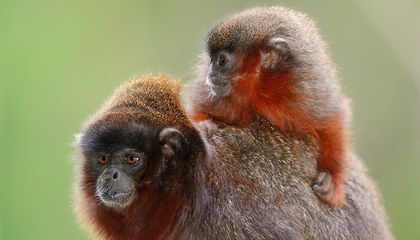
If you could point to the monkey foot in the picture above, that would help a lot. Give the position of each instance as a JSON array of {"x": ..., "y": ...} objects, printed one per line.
[
  {"x": 328, "y": 190},
  {"x": 208, "y": 127}
]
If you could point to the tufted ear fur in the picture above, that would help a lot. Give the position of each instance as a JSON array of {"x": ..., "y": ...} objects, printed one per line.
[{"x": 275, "y": 54}]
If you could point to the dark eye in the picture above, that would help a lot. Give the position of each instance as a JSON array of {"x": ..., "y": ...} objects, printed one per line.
[
  {"x": 131, "y": 159},
  {"x": 102, "y": 159},
  {"x": 222, "y": 60}
]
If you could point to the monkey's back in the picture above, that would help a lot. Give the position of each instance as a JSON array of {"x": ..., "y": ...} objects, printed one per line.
[{"x": 260, "y": 188}]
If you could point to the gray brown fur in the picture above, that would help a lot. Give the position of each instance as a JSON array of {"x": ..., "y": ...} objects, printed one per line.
[
  {"x": 256, "y": 192},
  {"x": 298, "y": 90},
  {"x": 237, "y": 186}
]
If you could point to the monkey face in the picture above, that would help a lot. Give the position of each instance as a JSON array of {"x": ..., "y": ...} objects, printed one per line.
[
  {"x": 221, "y": 72},
  {"x": 115, "y": 185},
  {"x": 227, "y": 66},
  {"x": 120, "y": 159}
]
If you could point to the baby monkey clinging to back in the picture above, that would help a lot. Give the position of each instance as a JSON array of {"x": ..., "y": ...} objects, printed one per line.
[{"x": 273, "y": 63}]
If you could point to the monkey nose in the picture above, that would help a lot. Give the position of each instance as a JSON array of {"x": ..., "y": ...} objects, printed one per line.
[{"x": 112, "y": 174}]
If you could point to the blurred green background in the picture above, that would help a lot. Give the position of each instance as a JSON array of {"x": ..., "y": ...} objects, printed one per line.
[{"x": 59, "y": 60}]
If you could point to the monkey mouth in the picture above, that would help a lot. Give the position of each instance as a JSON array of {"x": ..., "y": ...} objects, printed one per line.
[
  {"x": 116, "y": 199},
  {"x": 219, "y": 90}
]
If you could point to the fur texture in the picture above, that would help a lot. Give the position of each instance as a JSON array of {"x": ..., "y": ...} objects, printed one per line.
[
  {"x": 301, "y": 95},
  {"x": 238, "y": 183}
]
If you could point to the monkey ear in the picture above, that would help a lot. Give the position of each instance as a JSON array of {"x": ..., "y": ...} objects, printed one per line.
[
  {"x": 275, "y": 54},
  {"x": 173, "y": 142}
]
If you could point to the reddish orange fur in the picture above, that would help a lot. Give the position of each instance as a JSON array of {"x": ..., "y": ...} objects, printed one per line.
[
  {"x": 201, "y": 117},
  {"x": 269, "y": 94},
  {"x": 150, "y": 216}
]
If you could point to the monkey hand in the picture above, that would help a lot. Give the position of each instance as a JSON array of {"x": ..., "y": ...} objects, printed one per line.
[{"x": 329, "y": 189}]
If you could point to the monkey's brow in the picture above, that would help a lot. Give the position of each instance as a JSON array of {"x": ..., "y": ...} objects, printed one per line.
[
  {"x": 102, "y": 142},
  {"x": 217, "y": 49}
]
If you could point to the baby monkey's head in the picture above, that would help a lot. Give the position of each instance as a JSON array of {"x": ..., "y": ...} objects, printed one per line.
[{"x": 258, "y": 43}]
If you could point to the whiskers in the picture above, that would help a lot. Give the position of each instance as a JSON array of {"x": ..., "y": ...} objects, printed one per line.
[{"x": 210, "y": 93}]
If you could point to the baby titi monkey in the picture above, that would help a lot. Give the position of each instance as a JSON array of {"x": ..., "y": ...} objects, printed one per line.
[{"x": 273, "y": 63}]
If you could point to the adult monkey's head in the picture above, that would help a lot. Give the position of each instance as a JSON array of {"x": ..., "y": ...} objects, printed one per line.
[{"x": 136, "y": 156}]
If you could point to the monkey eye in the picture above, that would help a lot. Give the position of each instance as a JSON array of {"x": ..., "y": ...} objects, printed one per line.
[
  {"x": 131, "y": 159},
  {"x": 222, "y": 60},
  {"x": 103, "y": 159}
]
